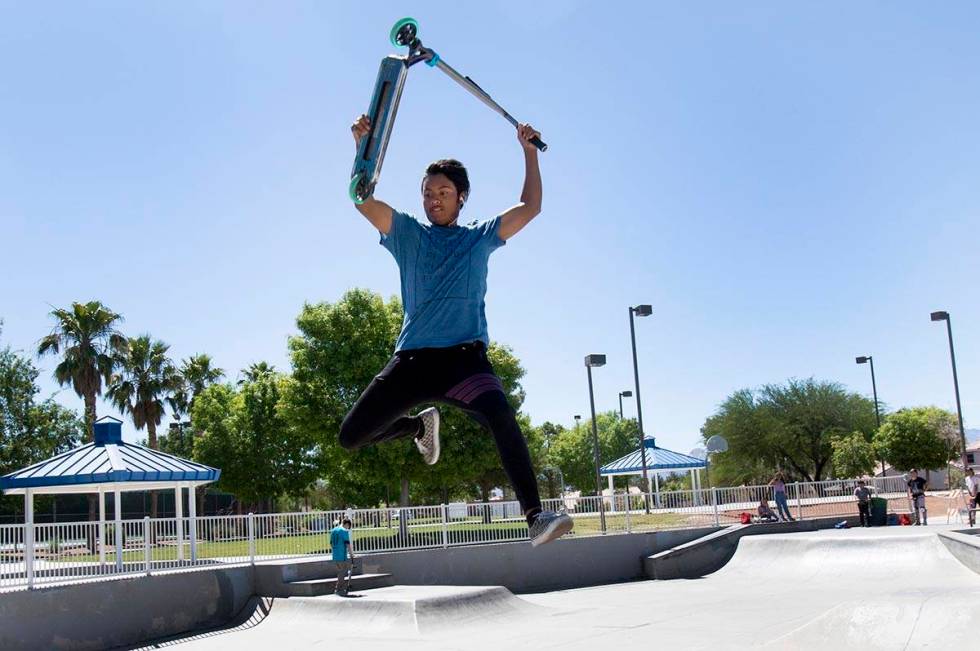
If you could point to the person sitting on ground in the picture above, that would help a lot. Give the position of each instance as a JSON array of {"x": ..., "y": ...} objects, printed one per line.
[
  {"x": 863, "y": 495},
  {"x": 765, "y": 513}
]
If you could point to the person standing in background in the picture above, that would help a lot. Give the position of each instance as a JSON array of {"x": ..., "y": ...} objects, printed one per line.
[
  {"x": 917, "y": 495},
  {"x": 343, "y": 555},
  {"x": 863, "y": 495},
  {"x": 778, "y": 484},
  {"x": 971, "y": 500}
]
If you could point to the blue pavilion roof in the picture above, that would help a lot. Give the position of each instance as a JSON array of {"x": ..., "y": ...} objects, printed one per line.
[
  {"x": 107, "y": 460},
  {"x": 657, "y": 459}
]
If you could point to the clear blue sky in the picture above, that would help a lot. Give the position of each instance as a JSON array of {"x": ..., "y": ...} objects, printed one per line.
[{"x": 788, "y": 185}]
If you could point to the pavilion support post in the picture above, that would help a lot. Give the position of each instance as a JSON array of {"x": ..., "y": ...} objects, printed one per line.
[
  {"x": 179, "y": 512},
  {"x": 192, "y": 517},
  {"x": 101, "y": 526},
  {"x": 612, "y": 494},
  {"x": 117, "y": 512},
  {"x": 147, "y": 557},
  {"x": 29, "y": 537},
  {"x": 656, "y": 488}
]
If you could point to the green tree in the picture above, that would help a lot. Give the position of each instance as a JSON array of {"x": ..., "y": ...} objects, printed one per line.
[
  {"x": 918, "y": 437},
  {"x": 573, "y": 450},
  {"x": 146, "y": 377},
  {"x": 244, "y": 432},
  {"x": 86, "y": 338},
  {"x": 340, "y": 348},
  {"x": 788, "y": 427},
  {"x": 853, "y": 455},
  {"x": 30, "y": 431},
  {"x": 196, "y": 373}
]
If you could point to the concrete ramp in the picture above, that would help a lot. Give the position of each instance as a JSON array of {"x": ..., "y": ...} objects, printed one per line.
[
  {"x": 841, "y": 560},
  {"x": 393, "y": 613},
  {"x": 402, "y": 609}
]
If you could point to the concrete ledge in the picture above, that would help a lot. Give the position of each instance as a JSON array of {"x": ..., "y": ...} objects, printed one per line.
[
  {"x": 122, "y": 612},
  {"x": 563, "y": 564},
  {"x": 710, "y": 553},
  {"x": 964, "y": 545}
]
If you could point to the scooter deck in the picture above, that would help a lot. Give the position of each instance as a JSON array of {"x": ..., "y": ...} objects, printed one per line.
[{"x": 384, "y": 107}]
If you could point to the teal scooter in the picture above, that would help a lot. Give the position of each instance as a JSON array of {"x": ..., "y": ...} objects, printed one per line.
[{"x": 384, "y": 105}]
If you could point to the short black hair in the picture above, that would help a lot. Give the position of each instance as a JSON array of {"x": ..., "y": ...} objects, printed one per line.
[
  {"x": 453, "y": 170},
  {"x": 347, "y": 521}
]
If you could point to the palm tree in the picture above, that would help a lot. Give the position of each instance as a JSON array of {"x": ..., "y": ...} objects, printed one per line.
[
  {"x": 255, "y": 371},
  {"x": 86, "y": 338},
  {"x": 146, "y": 377},
  {"x": 196, "y": 374}
]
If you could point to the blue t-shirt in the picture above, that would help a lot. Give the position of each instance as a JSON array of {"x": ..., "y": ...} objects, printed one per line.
[
  {"x": 338, "y": 537},
  {"x": 443, "y": 280}
]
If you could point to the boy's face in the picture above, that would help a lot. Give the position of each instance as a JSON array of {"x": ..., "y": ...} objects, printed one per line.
[{"x": 440, "y": 200}]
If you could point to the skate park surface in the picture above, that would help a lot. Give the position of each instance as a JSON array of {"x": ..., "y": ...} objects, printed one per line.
[{"x": 883, "y": 588}]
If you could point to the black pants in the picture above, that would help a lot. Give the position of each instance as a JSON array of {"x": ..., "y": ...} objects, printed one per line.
[
  {"x": 461, "y": 376},
  {"x": 864, "y": 513}
]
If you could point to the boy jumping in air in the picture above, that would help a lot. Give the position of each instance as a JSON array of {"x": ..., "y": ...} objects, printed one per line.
[{"x": 441, "y": 353}]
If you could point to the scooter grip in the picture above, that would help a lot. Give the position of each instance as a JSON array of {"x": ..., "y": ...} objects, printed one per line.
[{"x": 537, "y": 142}]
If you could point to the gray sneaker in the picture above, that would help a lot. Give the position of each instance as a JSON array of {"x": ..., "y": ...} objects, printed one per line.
[
  {"x": 549, "y": 526},
  {"x": 428, "y": 442}
]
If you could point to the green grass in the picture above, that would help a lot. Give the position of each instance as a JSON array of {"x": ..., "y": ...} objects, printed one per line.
[{"x": 421, "y": 534}]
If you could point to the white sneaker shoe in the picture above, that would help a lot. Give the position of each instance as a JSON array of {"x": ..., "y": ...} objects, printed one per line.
[
  {"x": 548, "y": 526},
  {"x": 428, "y": 442}
]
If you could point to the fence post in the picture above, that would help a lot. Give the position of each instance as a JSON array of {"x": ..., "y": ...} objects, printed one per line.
[
  {"x": 714, "y": 504},
  {"x": 251, "y": 537},
  {"x": 799, "y": 502},
  {"x": 445, "y": 527},
  {"x": 146, "y": 544},
  {"x": 29, "y": 537}
]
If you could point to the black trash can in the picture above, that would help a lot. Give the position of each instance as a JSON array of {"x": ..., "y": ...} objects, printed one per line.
[{"x": 879, "y": 511}]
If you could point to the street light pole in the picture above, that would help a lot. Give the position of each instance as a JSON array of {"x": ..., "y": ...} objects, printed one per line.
[
  {"x": 590, "y": 361},
  {"x": 640, "y": 310},
  {"x": 623, "y": 394},
  {"x": 944, "y": 316},
  {"x": 874, "y": 390}
]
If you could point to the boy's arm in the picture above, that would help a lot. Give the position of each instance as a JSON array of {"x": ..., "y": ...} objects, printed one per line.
[
  {"x": 517, "y": 217},
  {"x": 377, "y": 212}
]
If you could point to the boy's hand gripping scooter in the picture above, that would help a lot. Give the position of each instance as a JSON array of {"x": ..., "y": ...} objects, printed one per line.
[{"x": 384, "y": 105}]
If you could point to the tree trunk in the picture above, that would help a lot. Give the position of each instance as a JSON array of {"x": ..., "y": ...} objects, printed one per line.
[
  {"x": 151, "y": 438},
  {"x": 485, "y": 496},
  {"x": 93, "y": 500},
  {"x": 90, "y": 416}
]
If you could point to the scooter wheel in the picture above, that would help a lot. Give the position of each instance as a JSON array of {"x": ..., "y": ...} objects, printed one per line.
[
  {"x": 359, "y": 190},
  {"x": 404, "y": 32}
]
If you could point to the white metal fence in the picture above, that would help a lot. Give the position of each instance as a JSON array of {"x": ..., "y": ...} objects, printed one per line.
[{"x": 45, "y": 554}]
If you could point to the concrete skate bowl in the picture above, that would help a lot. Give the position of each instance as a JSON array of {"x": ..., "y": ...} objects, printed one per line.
[{"x": 895, "y": 592}]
